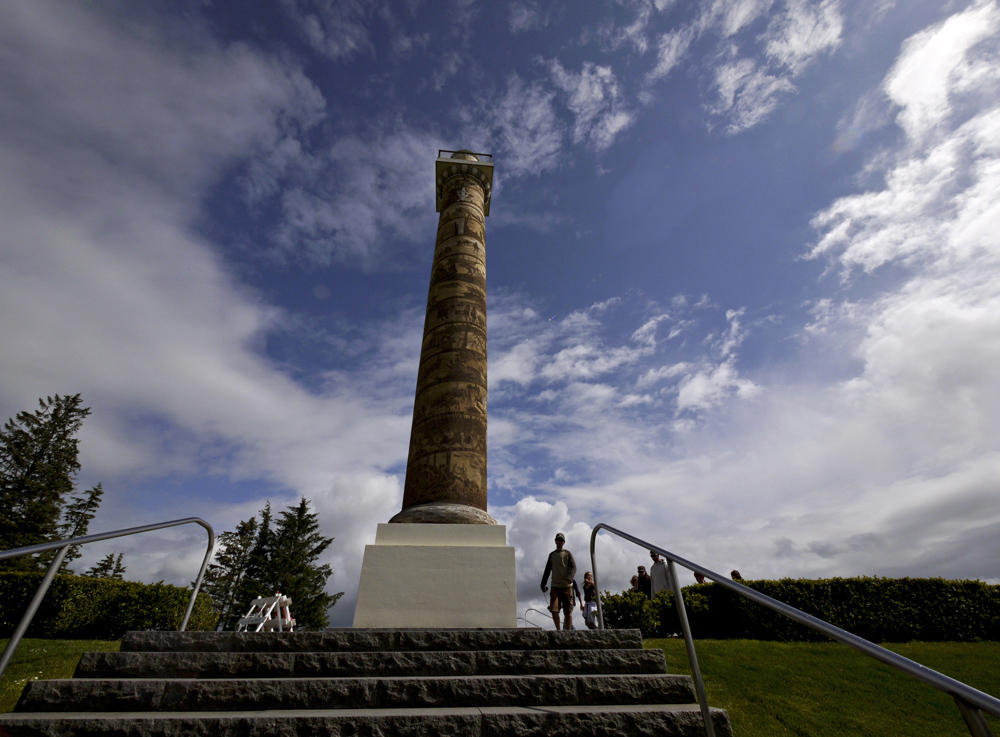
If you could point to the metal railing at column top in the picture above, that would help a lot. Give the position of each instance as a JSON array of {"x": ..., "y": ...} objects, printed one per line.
[
  {"x": 63, "y": 546},
  {"x": 971, "y": 702}
]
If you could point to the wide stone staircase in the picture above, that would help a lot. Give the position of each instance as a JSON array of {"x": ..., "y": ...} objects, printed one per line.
[{"x": 472, "y": 683}]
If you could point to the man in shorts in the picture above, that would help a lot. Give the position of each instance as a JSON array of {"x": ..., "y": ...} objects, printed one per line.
[{"x": 563, "y": 569}]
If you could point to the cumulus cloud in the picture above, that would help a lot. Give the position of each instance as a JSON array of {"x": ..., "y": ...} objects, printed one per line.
[
  {"x": 925, "y": 400},
  {"x": 938, "y": 203},
  {"x": 109, "y": 290},
  {"x": 532, "y": 525},
  {"x": 887, "y": 469},
  {"x": 936, "y": 71},
  {"x": 706, "y": 389}
]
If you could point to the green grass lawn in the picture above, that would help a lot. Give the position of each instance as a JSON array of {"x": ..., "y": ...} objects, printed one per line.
[
  {"x": 827, "y": 689},
  {"x": 41, "y": 659}
]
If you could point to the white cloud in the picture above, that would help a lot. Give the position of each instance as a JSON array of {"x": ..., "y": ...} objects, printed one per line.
[
  {"x": 646, "y": 334},
  {"x": 337, "y": 210},
  {"x": 532, "y": 525},
  {"x": 706, "y": 389},
  {"x": 337, "y": 30},
  {"x": 596, "y": 100},
  {"x": 894, "y": 467},
  {"x": 670, "y": 50},
  {"x": 581, "y": 362},
  {"x": 655, "y": 375},
  {"x": 635, "y": 33},
  {"x": 747, "y": 94},
  {"x": 796, "y": 37},
  {"x": 735, "y": 334},
  {"x": 110, "y": 140},
  {"x": 938, "y": 205},
  {"x": 755, "y": 70},
  {"x": 872, "y": 111},
  {"x": 729, "y": 17},
  {"x": 524, "y": 17},
  {"x": 577, "y": 392},
  {"x": 522, "y": 127},
  {"x": 935, "y": 67}
]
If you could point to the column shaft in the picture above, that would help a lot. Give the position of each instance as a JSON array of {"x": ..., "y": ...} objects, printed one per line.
[{"x": 446, "y": 465}]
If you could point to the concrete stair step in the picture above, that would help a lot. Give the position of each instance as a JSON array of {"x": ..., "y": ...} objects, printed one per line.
[
  {"x": 232, "y": 694},
  {"x": 475, "y": 683},
  {"x": 379, "y": 640},
  {"x": 675, "y": 720},
  {"x": 356, "y": 664}
]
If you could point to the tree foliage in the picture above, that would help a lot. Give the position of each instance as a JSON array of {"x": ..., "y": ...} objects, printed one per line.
[
  {"x": 109, "y": 567},
  {"x": 259, "y": 560},
  {"x": 76, "y": 520},
  {"x": 83, "y": 608},
  {"x": 39, "y": 461},
  {"x": 224, "y": 578},
  {"x": 877, "y": 609}
]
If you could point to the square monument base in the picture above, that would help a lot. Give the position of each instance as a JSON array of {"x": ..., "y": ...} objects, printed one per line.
[{"x": 437, "y": 576}]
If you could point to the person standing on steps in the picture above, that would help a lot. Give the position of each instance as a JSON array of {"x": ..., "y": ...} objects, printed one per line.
[
  {"x": 659, "y": 573},
  {"x": 562, "y": 566},
  {"x": 645, "y": 583}
]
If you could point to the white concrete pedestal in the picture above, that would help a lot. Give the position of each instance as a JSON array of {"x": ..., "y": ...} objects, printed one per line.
[{"x": 437, "y": 576}]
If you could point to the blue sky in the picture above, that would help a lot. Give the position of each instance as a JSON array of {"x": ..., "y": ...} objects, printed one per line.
[{"x": 743, "y": 265}]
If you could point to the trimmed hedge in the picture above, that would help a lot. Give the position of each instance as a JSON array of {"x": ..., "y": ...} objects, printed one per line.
[
  {"x": 877, "y": 609},
  {"x": 79, "y": 607}
]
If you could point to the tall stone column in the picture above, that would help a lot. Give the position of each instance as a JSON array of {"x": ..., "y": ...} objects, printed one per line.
[
  {"x": 446, "y": 465},
  {"x": 411, "y": 573}
]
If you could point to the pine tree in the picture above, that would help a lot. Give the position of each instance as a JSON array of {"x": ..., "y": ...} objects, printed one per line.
[
  {"x": 257, "y": 560},
  {"x": 224, "y": 578},
  {"x": 257, "y": 581},
  {"x": 298, "y": 545},
  {"x": 109, "y": 567},
  {"x": 38, "y": 466},
  {"x": 76, "y": 520}
]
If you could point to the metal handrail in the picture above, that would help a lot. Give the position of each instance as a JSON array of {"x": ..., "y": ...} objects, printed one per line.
[
  {"x": 63, "y": 547},
  {"x": 971, "y": 702},
  {"x": 528, "y": 622},
  {"x": 532, "y": 609}
]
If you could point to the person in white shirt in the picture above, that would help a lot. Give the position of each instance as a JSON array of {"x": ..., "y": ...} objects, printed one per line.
[{"x": 659, "y": 573}]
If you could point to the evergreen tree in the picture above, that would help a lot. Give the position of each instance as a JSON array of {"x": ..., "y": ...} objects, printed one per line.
[
  {"x": 224, "y": 578},
  {"x": 109, "y": 567},
  {"x": 257, "y": 560},
  {"x": 257, "y": 581},
  {"x": 298, "y": 545},
  {"x": 38, "y": 466},
  {"x": 76, "y": 520}
]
